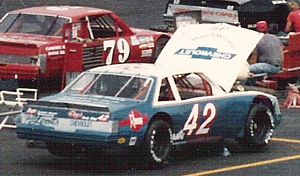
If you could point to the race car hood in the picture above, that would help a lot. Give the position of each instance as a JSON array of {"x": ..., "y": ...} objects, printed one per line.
[
  {"x": 143, "y": 31},
  {"x": 27, "y": 39},
  {"x": 218, "y": 50}
]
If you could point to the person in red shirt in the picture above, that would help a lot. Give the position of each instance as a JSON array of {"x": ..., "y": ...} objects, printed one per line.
[{"x": 293, "y": 19}]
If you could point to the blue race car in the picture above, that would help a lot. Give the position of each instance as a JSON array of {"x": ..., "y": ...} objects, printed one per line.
[{"x": 149, "y": 108}]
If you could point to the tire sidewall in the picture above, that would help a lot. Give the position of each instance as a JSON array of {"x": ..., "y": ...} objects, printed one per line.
[
  {"x": 151, "y": 157},
  {"x": 259, "y": 111}
]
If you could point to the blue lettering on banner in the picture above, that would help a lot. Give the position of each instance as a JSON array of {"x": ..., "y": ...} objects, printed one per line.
[{"x": 206, "y": 53}]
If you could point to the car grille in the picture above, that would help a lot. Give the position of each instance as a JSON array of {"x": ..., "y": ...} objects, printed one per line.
[
  {"x": 92, "y": 57},
  {"x": 17, "y": 59}
]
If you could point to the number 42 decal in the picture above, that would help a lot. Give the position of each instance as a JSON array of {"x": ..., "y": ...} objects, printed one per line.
[
  {"x": 192, "y": 122},
  {"x": 122, "y": 47}
]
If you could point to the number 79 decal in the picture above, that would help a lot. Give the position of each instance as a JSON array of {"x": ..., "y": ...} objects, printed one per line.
[
  {"x": 192, "y": 122},
  {"x": 122, "y": 47}
]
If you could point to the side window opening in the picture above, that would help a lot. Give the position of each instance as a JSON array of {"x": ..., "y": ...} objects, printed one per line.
[
  {"x": 165, "y": 92},
  {"x": 192, "y": 85},
  {"x": 104, "y": 26},
  {"x": 137, "y": 89}
]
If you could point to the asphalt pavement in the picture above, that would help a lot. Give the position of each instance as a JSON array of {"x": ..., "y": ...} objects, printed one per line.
[{"x": 282, "y": 157}]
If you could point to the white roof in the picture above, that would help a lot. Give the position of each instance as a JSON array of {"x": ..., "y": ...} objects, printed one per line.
[
  {"x": 218, "y": 50},
  {"x": 240, "y": 1},
  {"x": 142, "y": 69}
]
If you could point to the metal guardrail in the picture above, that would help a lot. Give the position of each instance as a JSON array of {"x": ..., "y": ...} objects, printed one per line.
[
  {"x": 18, "y": 100},
  {"x": 7, "y": 116}
]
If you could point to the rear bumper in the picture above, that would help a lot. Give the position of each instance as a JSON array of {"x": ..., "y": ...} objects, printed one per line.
[{"x": 106, "y": 142}]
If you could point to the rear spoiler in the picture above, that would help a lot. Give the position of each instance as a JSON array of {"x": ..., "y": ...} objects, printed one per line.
[{"x": 66, "y": 106}]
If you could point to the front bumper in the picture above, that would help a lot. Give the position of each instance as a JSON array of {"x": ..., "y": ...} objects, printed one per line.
[{"x": 21, "y": 72}]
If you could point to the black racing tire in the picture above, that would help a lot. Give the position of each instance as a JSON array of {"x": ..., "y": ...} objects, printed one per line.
[
  {"x": 259, "y": 128},
  {"x": 61, "y": 149},
  {"x": 158, "y": 143},
  {"x": 159, "y": 47}
]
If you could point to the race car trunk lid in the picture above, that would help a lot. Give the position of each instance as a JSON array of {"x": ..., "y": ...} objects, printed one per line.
[{"x": 49, "y": 117}]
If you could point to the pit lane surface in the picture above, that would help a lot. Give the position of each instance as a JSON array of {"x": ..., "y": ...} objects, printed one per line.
[{"x": 281, "y": 157}]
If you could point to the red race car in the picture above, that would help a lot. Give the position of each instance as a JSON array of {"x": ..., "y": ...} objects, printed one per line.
[{"x": 44, "y": 44}]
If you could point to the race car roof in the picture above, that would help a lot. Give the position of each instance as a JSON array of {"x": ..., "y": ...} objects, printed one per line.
[
  {"x": 140, "y": 69},
  {"x": 74, "y": 12},
  {"x": 193, "y": 2},
  {"x": 239, "y": 1},
  {"x": 218, "y": 50}
]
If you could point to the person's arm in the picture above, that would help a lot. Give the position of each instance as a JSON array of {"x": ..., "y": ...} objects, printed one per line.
[
  {"x": 289, "y": 23},
  {"x": 253, "y": 58},
  {"x": 288, "y": 27}
]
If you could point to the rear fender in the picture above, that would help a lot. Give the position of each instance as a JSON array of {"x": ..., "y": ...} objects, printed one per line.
[{"x": 260, "y": 99}]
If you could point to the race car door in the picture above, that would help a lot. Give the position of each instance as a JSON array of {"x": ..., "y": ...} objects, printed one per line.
[{"x": 197, "y": 115}]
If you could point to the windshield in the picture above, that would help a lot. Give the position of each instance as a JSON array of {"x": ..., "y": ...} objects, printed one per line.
[
  {"x": 33, "y": 24},
  {"x": 111, "y": 85}
]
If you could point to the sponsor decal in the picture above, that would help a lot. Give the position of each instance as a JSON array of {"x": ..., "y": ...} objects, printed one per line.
[
  {"x": 178, "y": 136},
  {"x": 121, "y": 140},
  {"x": 134, "y": 40},
  {"x": 145, "y": 39},
  {"x": 32, "y": 111},
  {"x": 55, "y": 50},
  {"x": 46, "y": 114},
  {"x": 44, "y": 121},
  {"x": 103, "y": 118},
  {"x": 206, "y": 53},
  {"x": 55, "y": 53},
  {"x": 81, "y": 116},
  {"x": 143, "y": 46},
  {"x": 132, "y": 141},
  {"x": 136, "y": 121},
  {"x": 75, "y": 115},
  {"x": 150, "y": 45},
  {"x": 81, "y": 123},
  {"x": 58, "y": 47},
  {"x": 50, "y": 121},
  {"x": 146, "y": 53}
]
